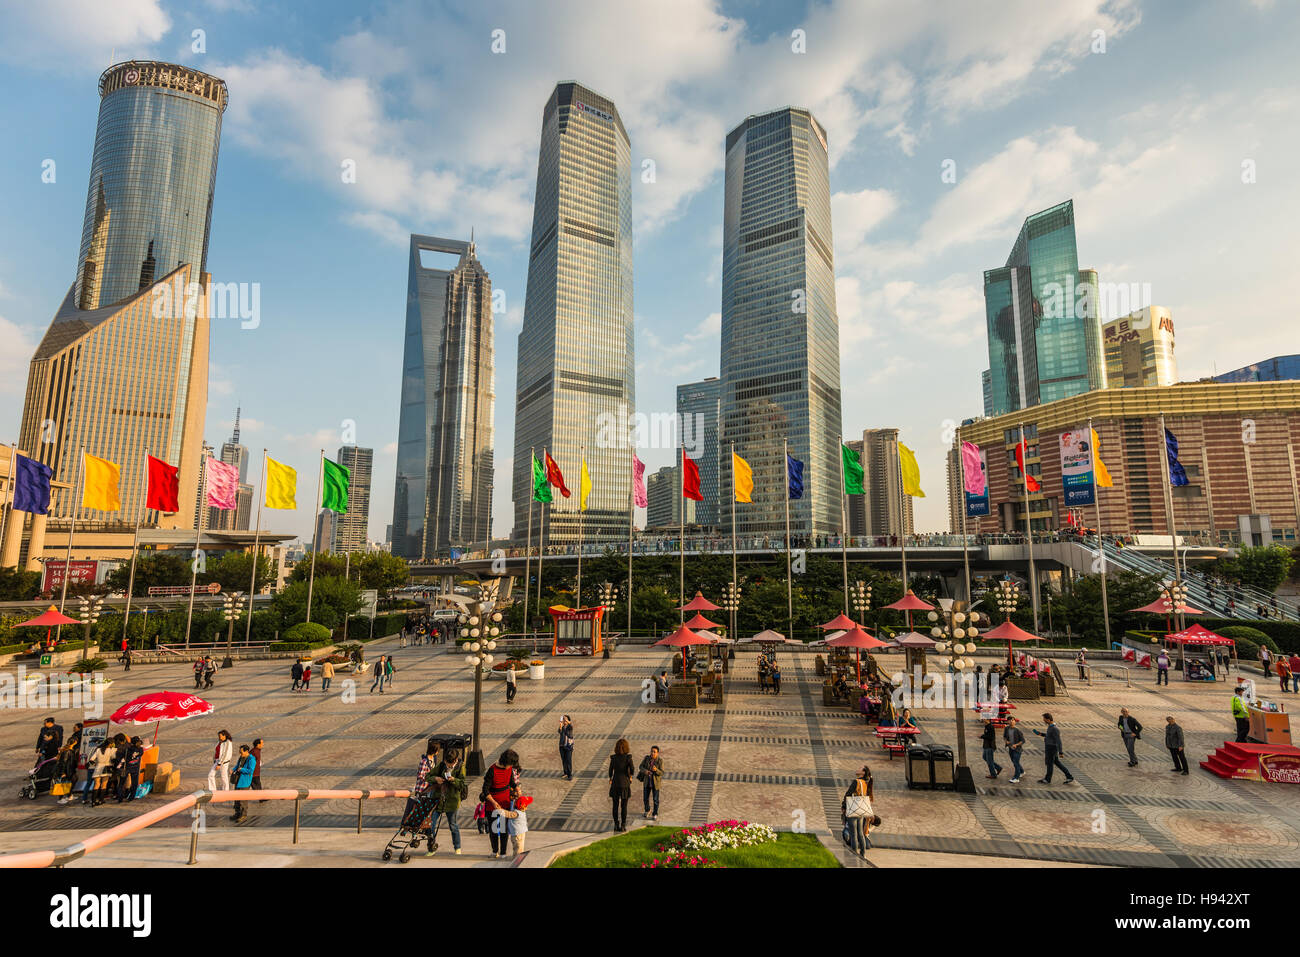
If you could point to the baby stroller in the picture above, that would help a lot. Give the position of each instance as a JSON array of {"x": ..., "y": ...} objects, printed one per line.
[
  {"x": 415, "y": 827},
  {"x": 36, "y": 785}
]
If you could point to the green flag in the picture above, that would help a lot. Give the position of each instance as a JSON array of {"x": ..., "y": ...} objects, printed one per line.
[
  {"x": 335, "y": 488},
  {"x": 541, "y": 487},
  {"x": 852, "y": 472}
]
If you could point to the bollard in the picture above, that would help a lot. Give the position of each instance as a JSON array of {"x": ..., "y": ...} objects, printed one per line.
[
  {"x": 359, "y": 802},
  {"x": 297, "y": 808},
  {"x": 194, "y": 846}
]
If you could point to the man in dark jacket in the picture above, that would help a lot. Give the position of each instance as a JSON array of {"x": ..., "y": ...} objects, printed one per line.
[
  {"x": 1052, "y": 750},
  {"x": 1015, "y": 741},
  {"x": 295, "y": 672},
  {"x": 1175, "y": 743},
  {"x": 566, "y": 747},
  {"x": 651, "y": 774},
  {"x": 1130, "y": 729},
  {"x": 48, "y": 741},
  {"x": 989, "y": 742}
]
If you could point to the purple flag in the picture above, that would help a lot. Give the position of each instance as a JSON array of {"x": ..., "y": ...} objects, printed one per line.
[
  {"x": 223, "y": 484},
  {"x": 973, "y": 477},
  {"x": 31, "y": 485},
  {"x": 638, "y": 482}
]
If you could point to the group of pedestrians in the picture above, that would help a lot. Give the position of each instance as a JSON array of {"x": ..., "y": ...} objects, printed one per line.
[
  {"x": 243, "y": 771},
  {"x": 205, "y": 669},
  {"x": 621, "y": 771},
  {"x": 384, "y": 671}
]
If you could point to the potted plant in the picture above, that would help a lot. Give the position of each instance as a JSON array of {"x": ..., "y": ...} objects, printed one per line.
[{"x": 536, "y": 669}]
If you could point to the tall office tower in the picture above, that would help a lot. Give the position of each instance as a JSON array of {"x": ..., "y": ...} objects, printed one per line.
[
  {"x": 780, "y": 365},
  {"x": 232, "y": 453},
  {"x": 956, "y": 498},
  {"x": 351, "y": 526},
  {"x": 883, "y": 503},
  {"x": 443, "y": 494},
  {"x": 986, "y": 388},
  {"x": 1044, "y": 330},
  {"x": 857, "y": 505},
  {"x": 664, "y": 500},
  {"x": 124, "y": 365},
  {"x": 326, "y": 536},
  {"x": 1140, "y": 349},
  {"x": 204, "y": 515},
  {"x": 698, "y": 415}
]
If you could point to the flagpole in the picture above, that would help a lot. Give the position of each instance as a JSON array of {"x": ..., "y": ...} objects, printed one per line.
[
  {"x": 135, "y": 543},
  {"x": 844, "y": 531},
  {"x": 902, "y": 523},
  {"x": 1101, "y": 548},
  {"x": 965, "y": 550},
  {"x": 194, "y": 558},
  {"x": 577, "y": 598},
  {"x": 257, "y": 537},
  {"x": 541, "y": 539},
  {"x": 7, "y": 506},
  {"x": 789, "y": 578},
  {"x": 67, "y": 561},
  {"x": 1029, "y": 526},
  {"x": 681, "y": 541},
  {"x": 1169, "y": 515},
  {"x": 631, "y": 517},
  {"x": 528, "y": 548},
  {"x": 734, "y": 578},
  {"x": 315, "y": 545}
]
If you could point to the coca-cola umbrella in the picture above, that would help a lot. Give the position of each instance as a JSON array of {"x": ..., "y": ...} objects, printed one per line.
[
  {"x": 682, "y": 638},
  {"x": 1008, "y": 631},
  {"x": 857, "y": 639},
  {"x": 160, "y": 706}
]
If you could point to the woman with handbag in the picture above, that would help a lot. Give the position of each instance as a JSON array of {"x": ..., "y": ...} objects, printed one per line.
[
  {"x": 621, "y": 770},
  {"x": 859, "y": 811},
  {"x": 497, "y": 783}
]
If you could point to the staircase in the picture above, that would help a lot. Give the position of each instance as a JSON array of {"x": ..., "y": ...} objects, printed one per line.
[{"x": 1242, "y": 761}]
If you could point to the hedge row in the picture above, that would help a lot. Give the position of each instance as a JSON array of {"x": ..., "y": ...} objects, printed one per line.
[{"x": 298, "y": 645}]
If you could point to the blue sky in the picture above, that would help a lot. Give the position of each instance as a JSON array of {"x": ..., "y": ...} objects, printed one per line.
[{"x": 1148, "y": 137}]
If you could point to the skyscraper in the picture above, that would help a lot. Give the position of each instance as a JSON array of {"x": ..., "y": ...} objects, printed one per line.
[
  {"x": 664, "y": 500},
  {"x": 698, "y": 415},
  {"x": 1044, "y": 331},
  {"x": 123, "y": 366},
  {"x": 1140, "y": 349},
  {"x": 575, "y": 386},
  {"x": 445, "y": 464},
  {"x": 351, "y": 526},
  {"x": 780, "y": 364},
  {"x": 236, "y": 519},
  {"x": 882, "y": 504}
]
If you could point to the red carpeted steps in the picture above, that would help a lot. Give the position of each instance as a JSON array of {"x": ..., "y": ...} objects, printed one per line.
[{"x": 1275, "y": 763}]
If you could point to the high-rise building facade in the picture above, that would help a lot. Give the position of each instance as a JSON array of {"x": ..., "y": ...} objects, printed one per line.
[
  {"x": 857, "y": 504},
  {"x": 123, "y": 366},
  {"x": 236, "y": 519},
  {"x": 445, "y": 438},
  {"x": 780, "y": 361},
  {"x": 885, "y": 510},
  {"x": 575, "y": 390},
  {"x": 351, "y": 526},
  {"x": 986, "y": 390},
  {"x": 699, "y": 418},
  {"x": 1275, "y": 369},
  {"x": 665, "y": 502},
  {"x": 1044, "y": 332},
  {"x": 1140, "y": 349}
]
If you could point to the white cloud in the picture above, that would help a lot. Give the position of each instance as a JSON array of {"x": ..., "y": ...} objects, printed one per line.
[
  {"x": 55, "y": 33},
  {"x": 17, "y": 344}
]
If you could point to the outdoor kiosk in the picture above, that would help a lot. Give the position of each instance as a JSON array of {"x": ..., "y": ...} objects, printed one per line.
[{"x": 577, "y": 631}]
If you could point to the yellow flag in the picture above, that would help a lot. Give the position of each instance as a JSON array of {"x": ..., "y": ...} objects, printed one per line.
[
  {"x": 1100, "y": 474},
  {"x": 743, "y": 478},
  {"x": 584, "y": 486},
  {"x": 99, "y": 485},
  {"x": 911, "y": 471},
  {"x": 281, "y": 485}
]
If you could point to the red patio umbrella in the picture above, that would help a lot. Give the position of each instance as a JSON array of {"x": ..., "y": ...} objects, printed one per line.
[
  {"x": 47, "y": 620},
  {"x": 682, "y": 638},
  {"x": 840, "y": 622},
  {"x": 1158, "y": 607},
  {"x": 699, "y": 621},
  {"x": 1008, "y": 631},
  {"x": 700, "y": 603},
  {"x": 910, "y": 603},
  {"x": 161, "y": 706},
  {"x": 857, "y": 639}
]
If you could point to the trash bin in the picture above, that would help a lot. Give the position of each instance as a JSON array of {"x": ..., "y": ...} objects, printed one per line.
[
  {"x": 943, "y": 771},
  {"x": 460, "y": 741},
  {"x": 919, "y": 774}
]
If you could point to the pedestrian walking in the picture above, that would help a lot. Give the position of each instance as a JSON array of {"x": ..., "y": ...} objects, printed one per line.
[
  {"x": 326, "y": 675},
  {"x": 243, "y": 780},
  {"x": 1284, "y": 672},
  {"x": 1081, "y": 660},
  {"x": 480, "y": 817},
  {"x": 1014, "y": 739},
  {"x": 1240, "y": 715},
  {"x": 423, "y": 779},
  {"x": 306, "y": 677},
  {"x": 498, "y": 781},
  {"x": 1130, "y": 729},
  {"x": 650, "y": 774},
  {"x": 1294, "y": 663},
  {"x": 209, "y": 671},
  {"x": 379, "y": 675},
  {"x": 517, "y": 823},
  {"x": 857, "y": 809},
  {"x": 1052, "y": 750},
  {"x": 1265, "y": 659},
  {"x": 775, "y": 675},
  {"x": 126, "y": 658},
  {"x": 1175, "y": 742},
  {"x": 222, "y": 755},
  {"x": 257, "y": 768},
  {"x": 198, "y": 672},
  {"x": 449, "y": 775},
  {"x": 511, "y": 685},
  {"x": 988, "y": 741},
  {"x": 566, "y": 747},
  {"x": 389, "y": 670},
  {"x": 620, "y": 781},
  {"x": 295, "y": 672},
  {"x": 130, "y": 776},
  {"x": 1162, "y": 668}
]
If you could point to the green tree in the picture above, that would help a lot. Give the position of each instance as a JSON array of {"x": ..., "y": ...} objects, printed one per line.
[
  {"x": 653, "y": 610},
  {"x": 232, "y": 570},
  {"x": 332, "y": 597},
  {"x": 381, "y": 571},
  {"x": 1264, "y": 566},
  {"x": 17, "y": 585},
  {"x": 152, "y": 569},
  {"x": 328, "y": 565},
  {"x": 1081, "y": 606}
]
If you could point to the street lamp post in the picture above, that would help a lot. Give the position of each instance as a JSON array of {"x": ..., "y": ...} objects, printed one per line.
[
  {"x": 608, "y": 595},
  {"x": 232, "y": 609},
  {"x": 89, "y": 614},
  {"x": 731, "y": 603},
  {"x": 481, "y": 625},
  {"x": 950, "y": 632},
  {"x": 1008, "y": 596},
  {"x": 1173, "y": 595},
  {"x": 860, "y": 597}
]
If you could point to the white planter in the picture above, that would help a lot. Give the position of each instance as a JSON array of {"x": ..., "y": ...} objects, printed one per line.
[{"x": 536, "y": 672}]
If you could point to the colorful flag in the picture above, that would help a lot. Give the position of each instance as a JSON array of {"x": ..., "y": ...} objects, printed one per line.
[
  {"x": 334, "y": 494},
  {"x": 164, "y": 487},
  {"x": 99, "y": 484},
  {"x": 973, "y": 478},
  {"x": 742, "y": 478},
  {"x": 639, "y": 498},
  {"x": 31, "y": 485},
  {"x": 1100, "y": 472},
  {"x": 1031, "y": 483},
  {"x": 977, "y": 504},
  {"x": 1177, "y": 474},
  {"x": 794, "y": 476},
  {"x": 281, "y": 485},
  {"x": 541, "y": 489},
  {"x": 911, "y": 471},
  {"x": 691, "y": 479},
  {"x": 223, "y": 484},
  {"x": 555, "y": 476},
  {"x": 853, "y": 472},
  {"x": 584, "y": 485}
]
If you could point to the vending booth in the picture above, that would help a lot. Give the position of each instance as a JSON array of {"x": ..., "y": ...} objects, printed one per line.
[{"x": 577, "y": 630}]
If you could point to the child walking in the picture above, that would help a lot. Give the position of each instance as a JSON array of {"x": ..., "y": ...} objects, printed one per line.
[{"x": 480, "y": 817}]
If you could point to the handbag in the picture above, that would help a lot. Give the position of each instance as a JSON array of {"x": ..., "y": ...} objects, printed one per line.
[{"x": 857, "y": 805}]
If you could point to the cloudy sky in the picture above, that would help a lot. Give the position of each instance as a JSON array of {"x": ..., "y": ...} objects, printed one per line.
[{"x": 1171, "y": 124}]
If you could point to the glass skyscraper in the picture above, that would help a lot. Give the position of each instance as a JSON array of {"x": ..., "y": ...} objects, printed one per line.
[
  {"x": 698, "y": 405},
  {"x": 1044, "y": 329},
  {"x": 780, "y": 364},
  {"x": 442, "y": 497},
  {"x": 575, "y": 385}
]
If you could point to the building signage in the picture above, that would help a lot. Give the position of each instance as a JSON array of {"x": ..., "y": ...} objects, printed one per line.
[
  {"x": 977, "y": 505},
  {"x": 80, "y": 573},
  {"x": 592, "y": 110},
  {"x": 1076, "y": 467}
]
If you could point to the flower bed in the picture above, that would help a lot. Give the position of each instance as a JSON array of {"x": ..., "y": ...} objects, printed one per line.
[
  {"x": 682, "y": 860},
  {"x": 719, "y": 835}
]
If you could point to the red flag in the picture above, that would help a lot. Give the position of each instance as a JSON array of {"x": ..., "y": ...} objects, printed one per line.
[
  {"x": 554, "y": 476},
  {"x": 691, "y": 480},
  {"x": 1031, "y": 483},
  {"x": 164, "y": 487}
]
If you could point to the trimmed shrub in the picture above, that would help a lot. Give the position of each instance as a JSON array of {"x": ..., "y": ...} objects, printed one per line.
[
  {"x": 305, "y": 633},
  {"x": 1248, "y": 640}
]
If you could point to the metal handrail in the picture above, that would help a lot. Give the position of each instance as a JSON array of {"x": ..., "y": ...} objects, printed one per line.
[{"x": 31, "y": 859}]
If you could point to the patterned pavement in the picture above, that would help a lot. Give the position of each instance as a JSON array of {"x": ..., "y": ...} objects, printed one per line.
[{"x": 784, "y": 761}]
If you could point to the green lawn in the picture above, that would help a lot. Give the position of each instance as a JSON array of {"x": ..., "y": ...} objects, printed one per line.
[{"x": 638, "y": 846}]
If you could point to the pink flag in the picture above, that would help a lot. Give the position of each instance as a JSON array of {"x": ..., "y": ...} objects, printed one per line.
[
  {"x": 972, "y": 469},
  {"x": 638, "y": 482},
  {"x": 223, "y": 484}
]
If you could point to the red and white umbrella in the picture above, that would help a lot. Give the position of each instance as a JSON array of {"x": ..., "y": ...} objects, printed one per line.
[{"x": 161, "y": 706}]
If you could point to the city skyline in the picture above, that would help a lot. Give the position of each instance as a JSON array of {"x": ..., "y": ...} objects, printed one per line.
[{"x": 911, "y": 246}]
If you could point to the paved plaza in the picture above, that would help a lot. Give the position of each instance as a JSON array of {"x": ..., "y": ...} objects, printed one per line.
[{"x": 780, "y": 760}]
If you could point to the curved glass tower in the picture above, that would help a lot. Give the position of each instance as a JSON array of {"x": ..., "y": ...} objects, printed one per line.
[{"x": 152, "y": 175}]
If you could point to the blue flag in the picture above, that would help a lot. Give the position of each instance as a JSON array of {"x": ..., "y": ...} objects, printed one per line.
[
  {"x": 1177, "y": 474},
  {"x": 31, "y": 485},
  {"x": 794, "y": 472}
]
